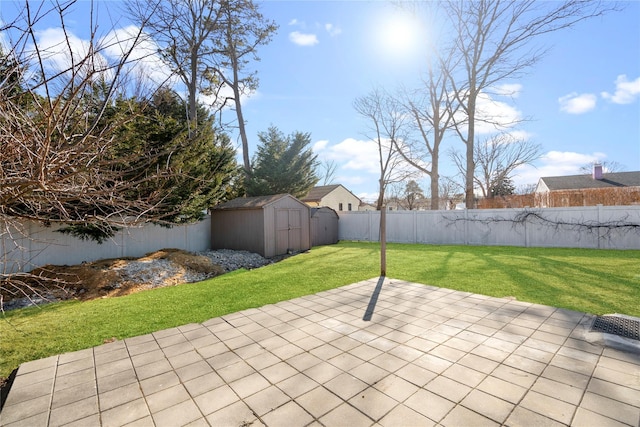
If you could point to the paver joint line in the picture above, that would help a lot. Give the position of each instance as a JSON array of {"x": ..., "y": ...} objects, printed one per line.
[{"x": 474, "y": 359}]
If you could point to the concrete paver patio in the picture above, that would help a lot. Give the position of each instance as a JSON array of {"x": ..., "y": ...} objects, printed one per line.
[{"x": 371, "y": 353}]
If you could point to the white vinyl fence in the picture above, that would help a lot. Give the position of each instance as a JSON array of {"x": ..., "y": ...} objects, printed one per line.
[
  {"x": 46, "y": 246},
  {"x": 598, "y": 227}
]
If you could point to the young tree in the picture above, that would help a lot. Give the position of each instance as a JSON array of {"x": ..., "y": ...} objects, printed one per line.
[
  {"x": 494, "y": 41},
  {"x": 387, "y": 128},
  {"x": 282, "y": 164}
]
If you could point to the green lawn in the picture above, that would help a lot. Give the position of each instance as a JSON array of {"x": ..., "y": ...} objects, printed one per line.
[{"x": 595, "y": 281}]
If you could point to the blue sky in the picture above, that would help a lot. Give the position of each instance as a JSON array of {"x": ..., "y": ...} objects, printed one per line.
[{"x": 582, "y": 101}]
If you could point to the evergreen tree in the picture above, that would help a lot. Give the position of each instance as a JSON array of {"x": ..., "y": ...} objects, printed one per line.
[
  {"x": 412, "y": 194},
  {"x": 282, "y": 164},
  {"x": 195, "y": 169},
  {"x": 502, "y": 185}
]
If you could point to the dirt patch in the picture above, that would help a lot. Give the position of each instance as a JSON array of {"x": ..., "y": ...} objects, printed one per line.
[{"x": 111, "y": 277}]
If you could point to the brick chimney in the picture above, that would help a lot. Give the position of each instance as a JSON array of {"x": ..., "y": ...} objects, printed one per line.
[{"x": 597, "y": 171}]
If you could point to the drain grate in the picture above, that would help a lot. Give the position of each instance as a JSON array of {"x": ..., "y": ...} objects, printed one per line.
[{"x": 615, "y": 325}]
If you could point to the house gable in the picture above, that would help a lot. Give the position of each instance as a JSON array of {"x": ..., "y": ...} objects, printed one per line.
[{"x": 337, "y": 197}]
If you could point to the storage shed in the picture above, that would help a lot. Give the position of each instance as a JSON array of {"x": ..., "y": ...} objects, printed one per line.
[
  {"x": 324, "y": 226},
  {"x": 267, "y": 225}
]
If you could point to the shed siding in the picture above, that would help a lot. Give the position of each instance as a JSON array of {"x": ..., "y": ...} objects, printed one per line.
[
  {"x": 255, "y": 228},
  {"x": 324, "y": 227},
  {"x": 239, "y": 230},
  {"x": 279, "y": 244}
]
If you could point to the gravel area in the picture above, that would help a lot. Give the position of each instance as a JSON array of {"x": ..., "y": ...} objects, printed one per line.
[
  {"x": 233, "y": 260},
  {"x": 154, "y": 273}
]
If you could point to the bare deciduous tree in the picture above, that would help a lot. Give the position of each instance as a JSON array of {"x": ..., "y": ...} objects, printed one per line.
[
  {"x": 243, "y": 29},
  {"x": 387, "y": 128},
  {"x": 496, "y": 158},
  {"x": 431, "y": 112},
  {"x": 608, "y": 166},
  {"x": 328, "y": 173},
  {"x": 494, "y": 41},
  {"x": 208, "y": 44}
]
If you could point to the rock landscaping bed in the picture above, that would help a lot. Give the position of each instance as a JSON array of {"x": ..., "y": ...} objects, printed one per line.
[{"x": 123, "y": 276}]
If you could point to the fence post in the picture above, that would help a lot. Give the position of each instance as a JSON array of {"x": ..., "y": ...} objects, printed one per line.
[
  {"x": 526, "y": 230},
  {"x": 466, "y": 226},
  {"x": 600, "y": 232}
]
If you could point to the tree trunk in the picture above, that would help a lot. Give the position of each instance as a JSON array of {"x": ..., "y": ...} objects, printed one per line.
[
  {"x": 471, "y": 164},
  {"x": 380, "y": 201},
  {"x": 242, "y": 130},
  {"x": 383, "y": 242},
  {"x": 435, "y": 182}
]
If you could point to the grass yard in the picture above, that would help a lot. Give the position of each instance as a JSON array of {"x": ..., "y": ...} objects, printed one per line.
[{"x": 594, "y": 281}]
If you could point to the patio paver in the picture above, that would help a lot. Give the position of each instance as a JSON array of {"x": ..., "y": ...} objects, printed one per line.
[{"x": 427, "y": 356}]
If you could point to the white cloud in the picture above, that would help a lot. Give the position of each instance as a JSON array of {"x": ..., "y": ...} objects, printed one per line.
[
  {"x": 320, "y": 146},
  {"x": 492, "y": 115},
  {"x": 58, "y": 49},
  {"x": 626, "y": 91},
  {"x": 332, "y": 29},
  {"x": 4, "y": 43},
  {"x": 144, "y": 53},
  {"x": 303, "y": 39},
  {"x": 577, "y": 104},
  {"x": 508, "y": 89},
  {"x": 355, "y": 155},
  {"x": 294, "y": 21},
  {"x": 368, "y": 197}
]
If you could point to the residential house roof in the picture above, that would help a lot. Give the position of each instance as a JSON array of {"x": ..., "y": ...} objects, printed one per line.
[
  {"x": 579, "y": 182},
  {"x": 316, "y": 194},
  {"x": 257, "y": 202}
]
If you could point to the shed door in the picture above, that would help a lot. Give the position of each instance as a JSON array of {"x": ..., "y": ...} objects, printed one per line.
[{"x": 288, "y": 230}]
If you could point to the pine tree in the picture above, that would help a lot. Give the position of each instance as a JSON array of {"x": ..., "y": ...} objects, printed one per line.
[{"x": 282, "y": 164}]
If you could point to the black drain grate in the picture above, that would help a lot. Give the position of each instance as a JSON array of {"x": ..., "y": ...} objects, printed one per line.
[{"x": 615, "y": 325}]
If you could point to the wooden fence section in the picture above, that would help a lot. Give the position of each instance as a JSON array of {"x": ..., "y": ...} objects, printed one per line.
[
  {"x": 589, "y": 197},
  {"x": 597, "y": 227}
]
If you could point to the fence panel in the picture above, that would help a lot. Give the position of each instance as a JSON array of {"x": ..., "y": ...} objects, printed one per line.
[
  {"x": 606, "y": 227},
  {"x": 46, "y": 246}
]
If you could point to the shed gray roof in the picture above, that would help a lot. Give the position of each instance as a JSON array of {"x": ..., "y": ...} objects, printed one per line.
[
  {"x": 579, "y": 182},
  {"x": 257, "y": 202}
]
